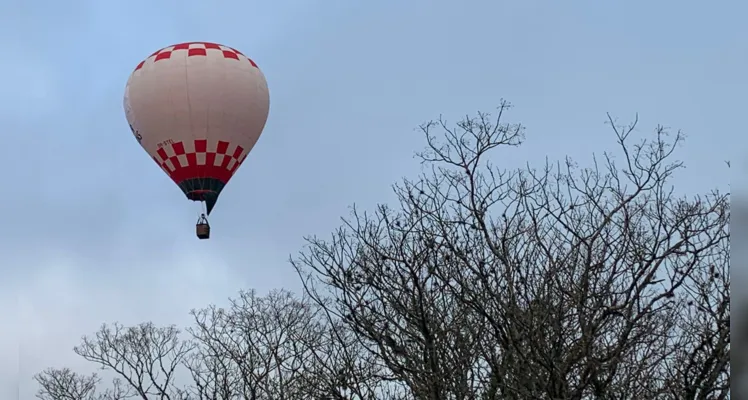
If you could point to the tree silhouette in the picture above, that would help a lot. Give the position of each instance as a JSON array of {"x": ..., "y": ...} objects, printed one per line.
[{"x": 557, "y": 282}]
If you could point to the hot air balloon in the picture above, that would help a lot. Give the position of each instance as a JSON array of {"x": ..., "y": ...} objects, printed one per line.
[{"x": 197, "y": 109}]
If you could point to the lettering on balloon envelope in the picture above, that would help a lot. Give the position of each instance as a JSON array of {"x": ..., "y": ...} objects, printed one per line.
[
  {"x": 165, "y": 143},
  {"x": 137, "y": 134}
]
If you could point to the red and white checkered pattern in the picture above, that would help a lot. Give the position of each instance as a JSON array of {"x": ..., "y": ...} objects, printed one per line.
[
  {"x": 197, "y": 126},
  {"x": 201, "y": 158},
  {"x": 195, "y": 49}
]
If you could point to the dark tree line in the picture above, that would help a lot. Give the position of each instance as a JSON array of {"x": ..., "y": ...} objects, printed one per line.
[{"x": 555, "y": 282}]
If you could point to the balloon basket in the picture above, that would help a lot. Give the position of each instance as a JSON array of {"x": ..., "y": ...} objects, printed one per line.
[{"x": 202, "y": 228}]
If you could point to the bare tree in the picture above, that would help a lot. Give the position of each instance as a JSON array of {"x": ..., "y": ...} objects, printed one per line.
[
  {"x": 58, "y": 384},
  {"x": 272, "y": 347},
  {"x": 263, "y": 347},
  {"x": 558, "y": 283},
  {"x": 144, "y": 359}
]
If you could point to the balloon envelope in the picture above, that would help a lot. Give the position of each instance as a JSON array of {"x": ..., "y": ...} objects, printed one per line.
[{"x": 197, "y": 109}]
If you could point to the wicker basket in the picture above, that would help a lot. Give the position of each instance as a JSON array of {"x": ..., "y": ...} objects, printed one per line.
[{"x": 202, "y": 231}]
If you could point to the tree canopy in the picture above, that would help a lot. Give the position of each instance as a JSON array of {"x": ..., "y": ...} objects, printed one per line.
[{"x": 554, "y": 281}]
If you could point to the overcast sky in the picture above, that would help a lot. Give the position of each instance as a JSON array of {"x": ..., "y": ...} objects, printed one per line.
[{"x": 94, "y": 232}]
